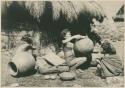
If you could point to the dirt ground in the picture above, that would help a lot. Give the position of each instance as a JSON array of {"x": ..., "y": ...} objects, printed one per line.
[{"x": 85, "y": 79}]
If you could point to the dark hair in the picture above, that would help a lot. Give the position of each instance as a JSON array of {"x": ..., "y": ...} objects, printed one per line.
[
  {"x": 108, "y": 48},
  {"x": 95, "y": 37},
  {"x": 63, "y": 33},
  {"x": 27, "y": 38}
]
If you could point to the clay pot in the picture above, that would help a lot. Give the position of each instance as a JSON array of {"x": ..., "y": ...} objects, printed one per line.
[
  {"x": 21, "y": 64},
  {"x": 83, "y": 46}
]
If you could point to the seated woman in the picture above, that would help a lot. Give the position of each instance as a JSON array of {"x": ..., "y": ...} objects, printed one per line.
[
  {"x": 69, "y": 55},
  {"x": 111, "y": 64}
]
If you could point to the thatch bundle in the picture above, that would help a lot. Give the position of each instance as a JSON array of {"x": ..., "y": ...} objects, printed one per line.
[{"x": 35, "y": 8}]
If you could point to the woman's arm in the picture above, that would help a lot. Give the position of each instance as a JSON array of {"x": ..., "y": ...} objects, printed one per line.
[
  {"x": 67, "y": 40},
  {"x": 73, "y": 37}
]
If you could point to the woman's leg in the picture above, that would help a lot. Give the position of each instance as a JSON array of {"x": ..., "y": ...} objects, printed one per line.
[
  {"x": 98, "y": 71},
  {"x": 77, "y": 62}
]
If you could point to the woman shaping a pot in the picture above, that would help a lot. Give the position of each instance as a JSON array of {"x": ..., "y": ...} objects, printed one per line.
[{"x": 71, "y": 59}]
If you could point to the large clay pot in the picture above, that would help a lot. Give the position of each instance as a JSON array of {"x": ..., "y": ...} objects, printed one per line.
[
  {"x": 83, "y": 46},
  {"x": 21, "y": 64}
]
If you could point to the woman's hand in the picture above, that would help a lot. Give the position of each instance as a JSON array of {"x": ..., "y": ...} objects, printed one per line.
[
  {"x": 64, "y": 41},
  {"x": 78, "y": 36}
]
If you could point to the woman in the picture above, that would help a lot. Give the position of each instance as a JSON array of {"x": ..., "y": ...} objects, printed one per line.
[
  {"x": 111, "y": 64},
  {"x": 70, "y": 58}
]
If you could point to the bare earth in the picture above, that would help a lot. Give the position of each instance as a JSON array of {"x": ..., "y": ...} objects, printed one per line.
[{"x": 85, "y": 79}]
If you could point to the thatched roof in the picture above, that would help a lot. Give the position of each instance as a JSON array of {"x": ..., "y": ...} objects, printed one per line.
[
  {"x": 71, "y": 9},
  {"x": 120, "y": 11},
  {"x": 49, "y": 18},
  {"x": 120, "y": 14}
]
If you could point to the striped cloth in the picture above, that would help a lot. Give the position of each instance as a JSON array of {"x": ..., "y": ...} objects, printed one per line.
[{"x": 111, "y": 66}]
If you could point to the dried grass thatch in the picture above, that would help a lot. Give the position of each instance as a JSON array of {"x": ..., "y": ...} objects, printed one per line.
[{"x": 71, "y": 9}]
